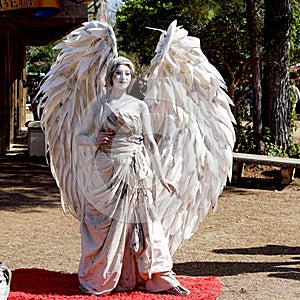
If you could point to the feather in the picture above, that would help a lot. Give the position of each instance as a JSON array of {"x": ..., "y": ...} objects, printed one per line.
[
  {"x": 68, "y": 89},
  {"x": 198, "y": 157},
  {"x": 192, "y": 122}
]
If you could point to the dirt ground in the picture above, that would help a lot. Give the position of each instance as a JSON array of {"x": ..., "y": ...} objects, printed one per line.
[{"x": 252, "y": 243}]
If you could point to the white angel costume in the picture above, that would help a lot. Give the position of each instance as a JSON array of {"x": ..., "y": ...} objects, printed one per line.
[
  {"x": 123, "y": 243},
  {"x": 130, "y": 225}
]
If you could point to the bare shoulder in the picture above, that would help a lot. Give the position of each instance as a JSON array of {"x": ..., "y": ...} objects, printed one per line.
[
  {"x": 139, "y": 104},
  {"x": 143, "y": 106}
]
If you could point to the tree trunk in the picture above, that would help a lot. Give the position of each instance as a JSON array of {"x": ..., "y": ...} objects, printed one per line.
[
  {"x": 256, "y": 75},
  {"x": 276, "y": 79}
]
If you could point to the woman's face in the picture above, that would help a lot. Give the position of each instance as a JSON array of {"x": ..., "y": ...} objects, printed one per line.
[{"x": 121, "y": 77}]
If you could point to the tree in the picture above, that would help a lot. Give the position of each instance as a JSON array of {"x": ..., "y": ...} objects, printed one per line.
[
  {"x": 132, "y": 21},
  {"x": 276, "y": 106},
  {"x": 225, "y": 42},
  {"x": 220, "y": 25},
  {"x": 256, "y": 73},
  {"x": 135, "y": 16},
  {"x": 40, "y": 58},
  {"x": 295, "y": 33}
]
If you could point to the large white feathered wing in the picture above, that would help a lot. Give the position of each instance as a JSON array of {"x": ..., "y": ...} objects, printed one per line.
[
  {"x": 75, "y": 79},
  {"x": 192, "y": 121}
]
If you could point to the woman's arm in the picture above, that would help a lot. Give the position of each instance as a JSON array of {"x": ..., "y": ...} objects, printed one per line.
[
  {"x": 83, "y": 137},
  {"x": 152, "y": 149}
]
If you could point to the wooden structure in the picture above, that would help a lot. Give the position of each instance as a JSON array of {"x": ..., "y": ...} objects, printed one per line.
[
  {"x": 20, "y": 27},
  {"x": 287, "y": 165}
]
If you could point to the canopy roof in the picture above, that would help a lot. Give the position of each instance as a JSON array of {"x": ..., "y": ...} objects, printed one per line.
[{"x": 40, "y": 30}]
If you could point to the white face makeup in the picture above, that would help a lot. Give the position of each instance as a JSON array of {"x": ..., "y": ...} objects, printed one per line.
[{"x": 121, "y": 77}]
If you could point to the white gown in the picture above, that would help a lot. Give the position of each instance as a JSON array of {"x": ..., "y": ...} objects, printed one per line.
[{"x": 123, "y": 243}]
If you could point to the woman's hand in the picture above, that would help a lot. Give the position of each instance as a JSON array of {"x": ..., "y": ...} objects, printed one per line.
[
  {"x": 103, "y": 138},
  {"x": 169, "y": 186}
]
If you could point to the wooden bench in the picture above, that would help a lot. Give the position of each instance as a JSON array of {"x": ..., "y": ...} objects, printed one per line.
[{"x": 287, "y": 165}]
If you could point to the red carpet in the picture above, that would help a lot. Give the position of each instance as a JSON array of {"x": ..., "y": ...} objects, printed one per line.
[{"x": 38, "y": 284}]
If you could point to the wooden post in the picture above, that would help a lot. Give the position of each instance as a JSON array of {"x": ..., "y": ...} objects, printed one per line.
[
  {"x": 287, "y": 175},
  {"x": 4, "y": 90},
  {"x": 12, "y": 58},
  {"x": 237, "y": 171}
]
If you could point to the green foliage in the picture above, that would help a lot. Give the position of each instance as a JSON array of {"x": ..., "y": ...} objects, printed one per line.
[
  {"x": 220, "y": 25},
  {"x": 133, "y": 36},
  {"x": 136, "y": 15},
  {"x": 40, "y": 58},
  {"x": 225, "y": 42},
  {"x": 245, "y": 143},
  {"x": 295, "y": 33},
  {"x": 244, "y": 138},
  {"x": 274, "y": 150},
  {"x": 294, "y": 150}
]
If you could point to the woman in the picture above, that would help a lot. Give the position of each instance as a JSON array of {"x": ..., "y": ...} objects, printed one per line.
[{"x": 123, "y": 244}]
